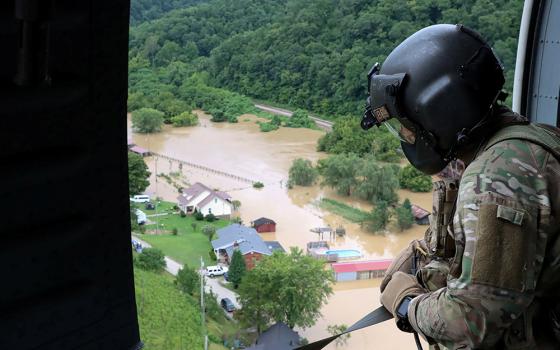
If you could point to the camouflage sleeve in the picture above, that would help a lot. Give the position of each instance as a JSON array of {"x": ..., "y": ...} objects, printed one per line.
[{"x": 500, "y": 219}]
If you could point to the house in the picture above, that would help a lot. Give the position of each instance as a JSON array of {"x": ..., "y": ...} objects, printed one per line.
[
  {"x": 277, "y": 337},
  {"x": 264, "y": 225},
  {"x": 360, "y": 270},
  {"x": 421, "y": 216},
  {"x": 204, "y": 200},
  {"x": 246, "y": 239}
]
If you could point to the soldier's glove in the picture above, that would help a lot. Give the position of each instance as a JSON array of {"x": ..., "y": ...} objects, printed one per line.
[
  {"x": 396, "y": 296},
  {"x": 417, "y": 249}
]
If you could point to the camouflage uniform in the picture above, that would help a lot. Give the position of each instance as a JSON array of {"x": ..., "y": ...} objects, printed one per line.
[{"x": 503, "y": 280}]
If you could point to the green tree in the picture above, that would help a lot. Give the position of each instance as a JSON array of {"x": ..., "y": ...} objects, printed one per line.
[
  {"x": 236, "y": 204},
  {"x": 415, "y": 180},
  {"x": 376, "y": 182},
  {"x": 147, "y": 120},
  {"x": 236, "y": 268},
  {"x": 290, "y": 288},
  {"x": 185, "y": 119},
  {"x": 339, "y": 172},
  {"x": 209, "y": 231},
  {"x": 405, "y": 218},
  {"x": 267, "y": 127},
  {"x": 337, "y": 329},
  {"x": 138, "y": 174},
  {"x": 188, "y": 280},
  {"x": 302, "y": 172},
  {"x": 300, "y": 119},
  {"x": 151, "y": 259},
  {"x": 378, "y": 218}
]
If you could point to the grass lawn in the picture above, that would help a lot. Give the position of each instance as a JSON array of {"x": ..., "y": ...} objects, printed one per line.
[
  {"x": 188, "y": 245},
  {"x": 344, "y": 210}
]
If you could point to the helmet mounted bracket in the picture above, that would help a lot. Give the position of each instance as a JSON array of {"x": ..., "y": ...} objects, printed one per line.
[{"x": 381, "y": 104}]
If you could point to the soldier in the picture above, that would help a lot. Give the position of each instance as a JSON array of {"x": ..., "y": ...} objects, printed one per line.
[{"x": 487, "y": 274}]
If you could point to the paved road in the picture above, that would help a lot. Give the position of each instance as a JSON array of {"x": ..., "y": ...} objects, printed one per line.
[
  {"x": 173, "y": 268},
  {"x": 323, "y": 124}
]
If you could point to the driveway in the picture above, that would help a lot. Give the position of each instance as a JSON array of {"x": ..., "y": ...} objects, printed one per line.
[{"x": 173, "y": 268}]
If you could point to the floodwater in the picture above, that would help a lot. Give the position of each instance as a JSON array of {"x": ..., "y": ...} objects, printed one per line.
[{"x": 241, "y": 149}]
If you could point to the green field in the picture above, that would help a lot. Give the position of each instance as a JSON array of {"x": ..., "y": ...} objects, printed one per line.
[
  {"x": 168, "y": 319},
  {"x": 188, "y": 245},
  {"x": 171, "y": 320},
  {"x": 344, "y": 210}
]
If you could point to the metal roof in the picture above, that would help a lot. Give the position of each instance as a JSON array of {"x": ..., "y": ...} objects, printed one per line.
[
  {"x": 263, "y": 221},
  {"x": 370, "y": 265},
  {"x": 246, "y": 237}
]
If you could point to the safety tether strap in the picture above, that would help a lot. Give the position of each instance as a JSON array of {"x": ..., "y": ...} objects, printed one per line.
[{"x": 376, "y": 316}]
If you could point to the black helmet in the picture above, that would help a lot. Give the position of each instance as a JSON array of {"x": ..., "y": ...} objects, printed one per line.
[{"x": 439, "y": 84}]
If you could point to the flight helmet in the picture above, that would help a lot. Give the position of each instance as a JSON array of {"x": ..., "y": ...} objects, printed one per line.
[{"x": 433, "y": 91}]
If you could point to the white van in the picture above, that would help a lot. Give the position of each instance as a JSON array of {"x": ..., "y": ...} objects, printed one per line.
[
  {"x": 140, "y": 198},
  {"x": 141, "y": 217},
  {"x": 212, "y": 271}
]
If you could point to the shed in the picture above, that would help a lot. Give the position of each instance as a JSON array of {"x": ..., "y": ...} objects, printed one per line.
[
  {"x": 139, "y": 150},
  {"x": 360, "y": 270},
  {"x": 421, "y": 216},
  {"x": 264, "y": 225}
]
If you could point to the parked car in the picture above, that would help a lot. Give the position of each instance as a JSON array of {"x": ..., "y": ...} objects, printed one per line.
[
  {"x": 227, "y": 305},
  {"x": 149, "y": 206},
  {"x": 140, "y": 198},
  {"x": 212, "y": 271},
  {"x": 226, "y": 276}
]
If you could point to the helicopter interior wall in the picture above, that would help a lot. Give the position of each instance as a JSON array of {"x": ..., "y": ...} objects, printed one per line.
[
  {"x": 65, "y": 256},
  {"x": 543, "y": 94}
]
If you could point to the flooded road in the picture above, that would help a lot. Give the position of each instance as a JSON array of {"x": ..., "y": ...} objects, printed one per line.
[{"x": 243, "y": 150}]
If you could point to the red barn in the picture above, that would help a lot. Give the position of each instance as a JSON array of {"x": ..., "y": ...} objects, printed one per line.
[{"x": 264, "y": 225}]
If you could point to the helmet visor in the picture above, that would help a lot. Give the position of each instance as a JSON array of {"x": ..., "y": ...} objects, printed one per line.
[{"x": 400, "y": 131}]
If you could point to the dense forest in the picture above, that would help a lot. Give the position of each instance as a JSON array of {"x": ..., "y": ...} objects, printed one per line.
[{"x": 313, "y": 54}]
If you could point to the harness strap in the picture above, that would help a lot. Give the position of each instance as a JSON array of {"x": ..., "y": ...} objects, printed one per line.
[{"x": 376, "y": 316}]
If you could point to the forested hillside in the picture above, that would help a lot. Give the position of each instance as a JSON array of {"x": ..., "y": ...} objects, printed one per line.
[
  {"x": 311, "y": 54},
  {"x": 145, "y": 10}
]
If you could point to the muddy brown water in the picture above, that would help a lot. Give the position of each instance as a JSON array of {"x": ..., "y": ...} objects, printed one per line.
[{"x": 243, "y": 150}]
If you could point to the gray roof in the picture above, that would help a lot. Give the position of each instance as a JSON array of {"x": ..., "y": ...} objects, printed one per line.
[
  {"x": 278, "y": 337},
  {"x": 246, "y": 237},
  {"x": 263, "y": 221}
]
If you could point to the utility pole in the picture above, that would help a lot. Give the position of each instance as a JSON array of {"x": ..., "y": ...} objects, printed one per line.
[
  {"x": 157, "y": 217},
  {"x": 202, "y": 311}
]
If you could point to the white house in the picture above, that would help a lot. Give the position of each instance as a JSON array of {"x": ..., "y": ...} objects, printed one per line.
[{"x": 205, "y": 200}]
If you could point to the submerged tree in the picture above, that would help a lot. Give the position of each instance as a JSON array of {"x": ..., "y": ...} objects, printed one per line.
[
  {"x": 147, "y": 120},
  {"x": 302, "y": 173},
  {"x": 415, "y": 180},
  {"x": 405, "y": 218},
  {"x": 378, "y": 218},
  {"x": 339, "y": 172}
]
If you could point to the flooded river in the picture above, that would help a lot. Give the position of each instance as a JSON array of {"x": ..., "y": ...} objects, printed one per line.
[{"x": 243, "y": 150}]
